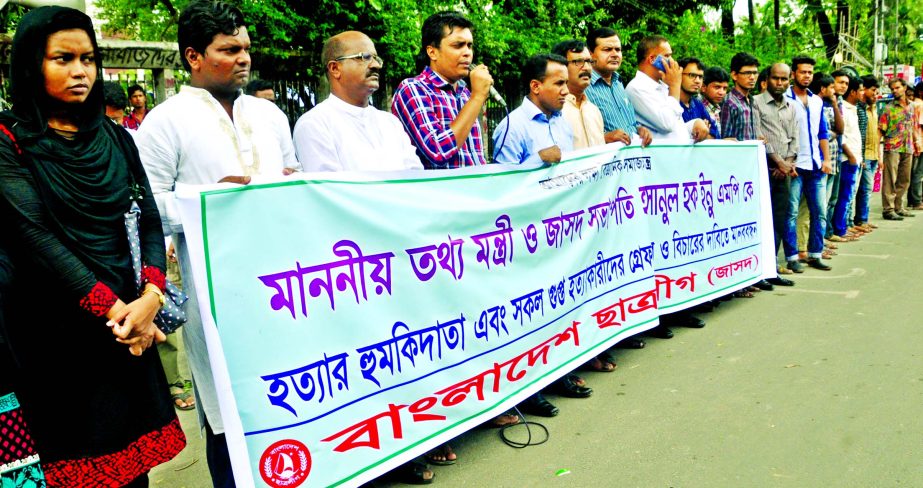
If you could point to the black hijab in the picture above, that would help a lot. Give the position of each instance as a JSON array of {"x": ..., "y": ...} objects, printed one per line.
[
  {"x": 31, "y": 104},
  {"x": 84, "y": 181}
]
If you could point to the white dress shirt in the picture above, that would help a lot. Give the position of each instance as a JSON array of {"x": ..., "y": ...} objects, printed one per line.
[
  {"x": 852, "y": 138},
  {"x": 338, "y": 136},
  {"x": 657, "y": 110},
  {"x": 190, "y": 139}
]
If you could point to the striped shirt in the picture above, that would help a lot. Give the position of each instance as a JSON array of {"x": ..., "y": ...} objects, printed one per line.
[
  {"x": 778, "y": 123},
  {"x": 427, "y": 105},
  {"x": 612, "y": 101},
  {"x": 737, "y": 117},
  {"x": 863, "y": 125}
]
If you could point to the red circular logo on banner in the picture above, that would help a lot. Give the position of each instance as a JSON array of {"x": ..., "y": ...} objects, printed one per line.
[{"x": 285, "y": 464}]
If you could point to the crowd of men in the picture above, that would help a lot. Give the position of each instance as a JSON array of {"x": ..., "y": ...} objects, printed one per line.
[{"x": 822, "y": 135}]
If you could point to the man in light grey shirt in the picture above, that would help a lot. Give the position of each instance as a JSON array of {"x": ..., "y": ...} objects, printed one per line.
[{"x": 777, "y": 120}]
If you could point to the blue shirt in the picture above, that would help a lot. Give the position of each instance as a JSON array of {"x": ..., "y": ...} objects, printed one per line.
[
  {"x": 813, "y": 130},
  {"x": 530, "y": 131},
  {"x": 696, "y": 110},
  {"x": 612, "y": 101}
]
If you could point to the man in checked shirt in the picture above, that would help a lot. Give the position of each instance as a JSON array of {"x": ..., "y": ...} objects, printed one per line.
[{"x": 437, "y": 109}]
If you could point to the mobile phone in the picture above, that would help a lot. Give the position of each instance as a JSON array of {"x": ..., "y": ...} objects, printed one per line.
[{"x": 658, "y": 63}]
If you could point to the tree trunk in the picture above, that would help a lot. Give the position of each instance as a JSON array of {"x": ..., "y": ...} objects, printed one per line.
[
  {"x": 830, "y": 38},
  {"x": 750, "y": 11},
  {"x": 727, "y": 21},
  {"x": 775, "y": 14}
]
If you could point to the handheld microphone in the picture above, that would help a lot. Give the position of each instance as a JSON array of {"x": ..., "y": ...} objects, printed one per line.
[{"x": 493, "y": 91}]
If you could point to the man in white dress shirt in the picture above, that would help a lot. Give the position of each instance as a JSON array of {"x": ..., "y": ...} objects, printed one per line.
[
  {"x": 655, "y": 93},
  {"x": 208, "y": 133},
  {"x": 344, "y": 133}
]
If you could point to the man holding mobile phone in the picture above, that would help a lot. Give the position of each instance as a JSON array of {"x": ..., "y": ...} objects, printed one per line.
[{"x": 655, "y": 94}]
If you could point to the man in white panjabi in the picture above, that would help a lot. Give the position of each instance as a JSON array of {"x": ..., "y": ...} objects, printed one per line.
[
  {"x": 345, "y": 133},
  {"x": 210, "y": 133}
]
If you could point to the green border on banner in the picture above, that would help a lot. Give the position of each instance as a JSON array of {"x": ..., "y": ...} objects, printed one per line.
[{"x": 482, "y": 412}]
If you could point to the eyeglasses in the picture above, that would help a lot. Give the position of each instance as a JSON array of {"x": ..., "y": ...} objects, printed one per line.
[
  {"x": 577, "y": 63},
  {"x": 749, "y": 73},
  {"x": 695, "y": 76},
  {"x": 365, "y": 57}
]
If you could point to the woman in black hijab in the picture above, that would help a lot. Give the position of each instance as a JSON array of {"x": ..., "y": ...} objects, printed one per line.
[{"x": 95, "y": 397}]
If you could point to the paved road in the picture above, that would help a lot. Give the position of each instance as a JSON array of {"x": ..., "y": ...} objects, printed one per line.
[{"x": 813, "y": 386}]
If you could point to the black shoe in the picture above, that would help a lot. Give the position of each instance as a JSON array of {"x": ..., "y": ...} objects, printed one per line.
[
  {"x": 691, "y": 321},
  {"x": 537, "y": 405},
  {"x": 905, "y": 213},
  {"x": 763, "y": 285},
  {"x": 795, "y": 266},
  {"x": 891, "y": 216},
  {"x": 568, "y": 387},
  {"x": 781, "y": 281},
  {"x": 660, "y": 332},
  {"x": 631, "y": 343},
  {"x": 818, "y": 264}
]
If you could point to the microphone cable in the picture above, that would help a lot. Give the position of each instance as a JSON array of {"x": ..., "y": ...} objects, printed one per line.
[{"x": 522, "y": 445}]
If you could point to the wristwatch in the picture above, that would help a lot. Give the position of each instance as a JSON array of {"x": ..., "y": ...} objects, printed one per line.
[{"x": 157, "y": 292}]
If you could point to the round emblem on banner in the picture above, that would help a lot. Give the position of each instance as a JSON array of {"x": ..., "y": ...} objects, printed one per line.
[{"x": 285, "y": 464}]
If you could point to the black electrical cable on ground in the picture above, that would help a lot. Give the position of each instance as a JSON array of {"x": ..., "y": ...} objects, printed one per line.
[{"x": 526, "y": 423}]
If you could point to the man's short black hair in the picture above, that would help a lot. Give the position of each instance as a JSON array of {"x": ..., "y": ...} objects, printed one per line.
[
  {"x": 716, "y": 74},
  {"x": 568, "y": 46},
  {"x": 869, "y": 81},
  {"x": 114, "y": 95},
  {"x": 821, "y": 80},
  {"x": 598, "y": 33},
  {"x": 690, "y": 60},
  {"x": 136, "y": 88},
  {"x": 257, "y": 85},
  {"x": 918, "y": 90},
  {"x": 838, "y": 73},
  {"x": 802, "y": 60},
  {"x": 743, "y": 59},
  {"x": 763, "y": 76},
  {"x": 647, "y": 45},
  {"x": 854, "y": 85},
  {"x": 201, "y": 21},
  {"x": 436, "y": 27},
  {"x": 536, "y": 67}
]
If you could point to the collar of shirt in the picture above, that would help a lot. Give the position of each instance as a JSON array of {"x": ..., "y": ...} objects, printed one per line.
[
  {"x": 350, "y": 109},
  {"x": 768, "y": 99},
  {"x": 534, "y": 113},
  {"x": 435, "y": 79},
  {"x": 595, "y": 77},
  {"x": 740, "y": 96},
  {"x": 643, "y": 78}
]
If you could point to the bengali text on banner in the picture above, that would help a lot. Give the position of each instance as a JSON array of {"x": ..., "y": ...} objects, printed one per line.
[{"x": 356, "y": 322}]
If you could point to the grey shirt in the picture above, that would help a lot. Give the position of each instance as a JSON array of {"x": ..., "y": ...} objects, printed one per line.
[{"x": 778, "y": 123}]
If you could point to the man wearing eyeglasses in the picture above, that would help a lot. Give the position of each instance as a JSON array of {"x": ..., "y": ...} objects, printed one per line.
[
  {"x": 437, "y": 109},
  {"x": 345, "y": 133},
  {"x": 737, "y": 110},
  {"x": 584, "y": 118},
  {"x": 691, "y": 87},
  {"x": 655, "y": 93}
]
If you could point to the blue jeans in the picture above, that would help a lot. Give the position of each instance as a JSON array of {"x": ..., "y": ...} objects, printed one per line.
[
  {"x": 833, "y": 193},
  {"x": 915, "y": 193},
  {"x": 848, "y": 174},
  {"x": 783, "y": 214},
  {"x": 813, "y": 184},
  {"x": 866, "y": 180}
]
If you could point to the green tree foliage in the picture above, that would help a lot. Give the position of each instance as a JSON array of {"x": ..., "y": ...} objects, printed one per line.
[{"x": 288, "y": 35}]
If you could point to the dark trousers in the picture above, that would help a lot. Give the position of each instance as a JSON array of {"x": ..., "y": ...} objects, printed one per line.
[{"x": 219, "y": 461}]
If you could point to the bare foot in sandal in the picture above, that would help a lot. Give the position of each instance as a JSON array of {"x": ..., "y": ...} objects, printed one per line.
[
  {"x": 441, "y": 456},
  {"x": 503, "y": 420}
]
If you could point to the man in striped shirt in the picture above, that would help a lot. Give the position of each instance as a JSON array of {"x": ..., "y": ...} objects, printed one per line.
[
  {"x": 606, "y": 90},
  {"x": 436, "y": 107}
]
